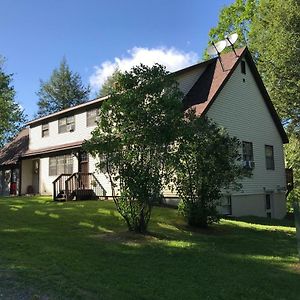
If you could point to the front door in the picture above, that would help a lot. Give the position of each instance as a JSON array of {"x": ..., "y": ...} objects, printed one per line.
[
  {"x": 84, "y": 170},
  {"x": 35, "y": 176}
]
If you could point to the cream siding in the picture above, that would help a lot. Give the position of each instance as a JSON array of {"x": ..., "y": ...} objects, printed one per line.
[
  {"x": 46, "y": 186},
  {"x": 103, "y": 179},
  {"x": 26, "y": 175},
  {"x": 241, "y": 109},
  {"x": 80, "y": 133},
  {"x": 187, "y": 80}
]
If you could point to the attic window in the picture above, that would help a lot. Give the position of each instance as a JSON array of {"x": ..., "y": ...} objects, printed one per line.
[{"x": 243, "y": 67}]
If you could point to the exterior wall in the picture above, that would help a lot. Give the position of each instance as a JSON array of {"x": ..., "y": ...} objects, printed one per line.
[
  {"x": 279, "y": 204},
  {"x": 26, "y": 176},
  {"x": 240, "y": 108},
  {"x": 187, "y": 80},
  {"x": 103, "y": 179},
  {"x": 254, "y": 205},
  {"x": 46, "y": 187},
  {"x": 249, "y": 205},
  {"x": 5, "y": 176},
  {"x": 81, "y": 132}
]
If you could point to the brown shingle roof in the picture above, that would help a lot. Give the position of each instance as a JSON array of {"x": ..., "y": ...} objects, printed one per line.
[
  {"x": 210, "y": 83},
  {"x": 11, "y": 152},
  {"x": 54, "y": 149}
]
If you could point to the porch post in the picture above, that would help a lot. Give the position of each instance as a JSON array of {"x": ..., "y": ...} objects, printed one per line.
[{"x": 20, "y": 178}]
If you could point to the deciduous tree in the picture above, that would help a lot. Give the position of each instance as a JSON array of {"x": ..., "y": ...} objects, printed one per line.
[
  {"x": 206, "y": 162},
  {"x": 108, "y": 85},
  {"x": 136, "y": 129}
]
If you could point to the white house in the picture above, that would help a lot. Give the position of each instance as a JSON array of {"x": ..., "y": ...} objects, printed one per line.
[{"x": 229, "y": 91}]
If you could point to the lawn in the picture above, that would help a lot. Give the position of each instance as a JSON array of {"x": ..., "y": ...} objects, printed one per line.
[{"x": 81, "y": 250}]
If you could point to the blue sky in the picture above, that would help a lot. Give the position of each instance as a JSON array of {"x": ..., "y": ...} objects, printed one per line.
[{"x": 95, "y": 36}]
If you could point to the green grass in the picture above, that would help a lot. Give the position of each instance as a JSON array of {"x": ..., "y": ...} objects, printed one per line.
[{"x": 81, "y": 250}]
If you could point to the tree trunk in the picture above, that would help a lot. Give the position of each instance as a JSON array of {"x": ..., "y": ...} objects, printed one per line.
[{"x": 297, "y": 223}]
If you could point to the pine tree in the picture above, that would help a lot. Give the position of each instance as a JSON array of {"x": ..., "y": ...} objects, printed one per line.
[
  {"x": 64, "y": 89},
  {"x": 12, "y": 116}
]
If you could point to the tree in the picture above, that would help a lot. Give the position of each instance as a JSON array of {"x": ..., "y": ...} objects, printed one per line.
[
  {"x": 109, "y": 83},
  {"x": 137, "y": 126},
  {"x": 206, "y": 162},
  {"x": 236, "y": 17},
  {"x": 64, "y": 89},
  {"x": 12, "y": 115},
  {"x": 274, "y": 40},
  {"x": 292, "y": 157}
]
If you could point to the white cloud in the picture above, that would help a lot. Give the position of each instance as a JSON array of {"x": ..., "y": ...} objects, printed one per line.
[{"x": 172, "y": 58}]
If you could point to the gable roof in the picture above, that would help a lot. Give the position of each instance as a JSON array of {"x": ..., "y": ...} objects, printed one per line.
[
  {"x": 211, "y": 82},
  {"x": 11, "y": 152},
  {"x": 204, "y": 91}
]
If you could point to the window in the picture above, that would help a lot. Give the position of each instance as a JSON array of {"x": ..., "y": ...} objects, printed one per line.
[
  {"x": 61, "y": 165},
  {"x": 243, "y": 67},
  {"x": 247, "y": 151},
  {"x": 66, "y": 124},
  {"x": 269, "y": 151},
  {"x": 268, "y": 201},
  {"x": 268, "y": 205},
  {"x": 91, "y": 117},
  {"x": 227, "y": 205},
  {"x": 45, "y": 130}
]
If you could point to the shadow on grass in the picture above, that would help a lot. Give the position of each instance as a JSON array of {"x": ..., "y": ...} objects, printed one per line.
[
  {"x": 87, "y": 253},
  {"x": 287, "y": 222}
]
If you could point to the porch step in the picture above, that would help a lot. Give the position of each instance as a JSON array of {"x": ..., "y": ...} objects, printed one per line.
[{"x": 83, "y": 194}]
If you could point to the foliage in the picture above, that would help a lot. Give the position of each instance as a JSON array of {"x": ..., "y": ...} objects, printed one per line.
[
  {"x": 292, "y": 157},
  {"x": 275, "y": 43},
  {"x": 12, "y": 116},
  {"x": 206, "y": 161},
  {"x": 67, "y": 245},
  {"x": 236, "y": 17},
  {"x": 64, "y": 89},
  {"x": 296, "y": 207},
  {"x": 108, "y": 85},
  {"x": 137, "y": 125}
]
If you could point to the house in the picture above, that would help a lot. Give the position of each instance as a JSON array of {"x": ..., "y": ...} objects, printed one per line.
[{"x": 228, "y": 90}]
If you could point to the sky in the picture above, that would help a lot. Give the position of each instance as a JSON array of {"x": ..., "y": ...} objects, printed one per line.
[{"x": 97, "y": 36}]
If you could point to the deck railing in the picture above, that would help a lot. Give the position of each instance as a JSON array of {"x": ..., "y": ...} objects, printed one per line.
[
  {"x": 77, "y": 186},
  {"x": 59, "y": 186}
]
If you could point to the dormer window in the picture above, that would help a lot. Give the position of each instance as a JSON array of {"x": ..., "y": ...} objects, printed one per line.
[
  {"x": 45, "y": 130},
  {"x": 92, "y": 117},
  {"x": 66, "y": 124},
  {"x": 243, "y": 67}
]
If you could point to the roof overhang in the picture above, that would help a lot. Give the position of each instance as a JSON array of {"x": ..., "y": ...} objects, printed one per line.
[
  {"x": 51, "y": 151},
  {"x": 81, "y": 107}
]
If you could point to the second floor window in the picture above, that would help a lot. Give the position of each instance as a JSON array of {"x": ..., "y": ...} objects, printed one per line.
[
  {"x": 91, "y": 117},
  {"x": 66, "y": 124},
  {"x": 247, "y": 151},
  {"x": 269, "y": 151},
  {"x": 45, "y": 130}
]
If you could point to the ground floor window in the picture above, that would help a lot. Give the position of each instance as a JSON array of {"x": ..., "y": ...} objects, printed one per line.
[
  {"x": 227, "y": 205},
  {"x": 62, "y": 164},
  {"x": 268, "y": 205}
]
